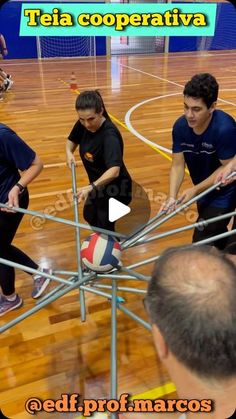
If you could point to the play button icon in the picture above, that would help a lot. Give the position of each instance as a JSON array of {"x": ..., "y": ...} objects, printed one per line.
[{"x": 117, "y": 210}]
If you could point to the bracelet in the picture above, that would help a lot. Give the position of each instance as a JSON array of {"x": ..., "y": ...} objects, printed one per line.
[
  {"x": 21, "y": 188},
  {"x": 4, "y": 49}
]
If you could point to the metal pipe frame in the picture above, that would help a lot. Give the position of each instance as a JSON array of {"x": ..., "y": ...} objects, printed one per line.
[
  {"x": 78, "y": 280},
  {"x": 203, "y": 223},
  {"x": 136, "y": 236},
  {"x": 77, "y": 237}
]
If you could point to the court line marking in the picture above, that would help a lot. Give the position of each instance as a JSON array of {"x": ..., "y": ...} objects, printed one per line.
[
  {"x": 135, "y": 132},
  {"x": 168, "y": 81},
  {"x": 25, "y": 111},
  {"x": 52, "y": 193},
  {"x": 172, "y": 54},
  {"x": 159, "y": 149},
  {"x": 49, "y": 165},
  {"x": 151, "y": 75},
  {"x": 156, "y": 393},
  {"x": 75, "y": 60},
  {"x": 94, "y": 59}
]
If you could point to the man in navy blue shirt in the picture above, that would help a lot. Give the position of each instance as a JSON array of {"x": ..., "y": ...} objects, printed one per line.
[
  {"x": 205, "y": 140},
  {"x": 15, "y": 156}
]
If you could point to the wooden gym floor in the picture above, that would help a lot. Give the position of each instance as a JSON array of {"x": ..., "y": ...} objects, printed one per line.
[{"x": 52, "y": 352}]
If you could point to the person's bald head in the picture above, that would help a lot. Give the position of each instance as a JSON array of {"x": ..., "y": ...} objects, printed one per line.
[{"x": 191, "y": 298}]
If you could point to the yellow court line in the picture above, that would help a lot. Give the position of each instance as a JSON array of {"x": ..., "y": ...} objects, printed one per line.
[
  {"x": 156, "y": 393},
  {"x": 153, "y": 147}
]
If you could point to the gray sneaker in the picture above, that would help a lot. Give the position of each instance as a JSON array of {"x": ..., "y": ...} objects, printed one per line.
[
  {"x": 6, "y": 305},
  {"x": 40, "y": 283}
]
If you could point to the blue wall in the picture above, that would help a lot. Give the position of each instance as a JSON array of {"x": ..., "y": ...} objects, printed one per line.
[
  {"x": 18, "y": 46},
  {"x": 25, "y": 46},
  {"x": 224, "y": 38}
]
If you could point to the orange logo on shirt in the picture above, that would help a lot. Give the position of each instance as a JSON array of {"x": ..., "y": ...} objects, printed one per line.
[{"x": 88, "y": 156}]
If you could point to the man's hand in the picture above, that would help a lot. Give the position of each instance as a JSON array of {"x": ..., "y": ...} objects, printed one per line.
[
  {"x": 168, "y": 206},
  {"x": 13, "y": 199},
  {"x": 82, "y": 193},
  {"x": 226, "y": 171},
  {"x": 186, "y": 195}
]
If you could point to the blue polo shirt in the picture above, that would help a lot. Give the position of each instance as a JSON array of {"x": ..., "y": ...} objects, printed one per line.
[
  {"x": 14, "y": 155},
  {"x": 202, "y": 153}
]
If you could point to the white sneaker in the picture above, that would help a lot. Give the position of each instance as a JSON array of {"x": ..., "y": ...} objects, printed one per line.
[{"x": 8, "y": 84}]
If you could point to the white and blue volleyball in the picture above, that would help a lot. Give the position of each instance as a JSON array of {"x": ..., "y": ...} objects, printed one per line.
[{"x": 100, "y": 252}]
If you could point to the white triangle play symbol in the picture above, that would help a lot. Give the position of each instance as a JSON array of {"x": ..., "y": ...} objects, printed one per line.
[{"x": 117, "y": 210}]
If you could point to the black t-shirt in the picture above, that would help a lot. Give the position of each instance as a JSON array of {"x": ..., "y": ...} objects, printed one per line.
[
  {"x": 101, "y": 150},
  {"x": 14, "y": 154}
]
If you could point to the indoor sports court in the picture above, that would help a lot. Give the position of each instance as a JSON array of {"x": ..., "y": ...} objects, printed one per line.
[{"x": 141, "y": 80}]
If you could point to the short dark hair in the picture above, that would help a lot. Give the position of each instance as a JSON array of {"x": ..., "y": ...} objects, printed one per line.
[
  {"x": 191, "y": 298},
  {"x": 91, "y": 99},
  {"x": 202, "y": 86}
]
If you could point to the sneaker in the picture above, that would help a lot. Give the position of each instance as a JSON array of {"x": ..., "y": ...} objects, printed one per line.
[
  {"x": 6, "y": 305},
  {"x": 8, "y": 84},
  {"x": 40, "y": 283}
]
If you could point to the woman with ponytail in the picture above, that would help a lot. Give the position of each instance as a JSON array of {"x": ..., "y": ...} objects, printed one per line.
[{"x": 101, "y": 150}]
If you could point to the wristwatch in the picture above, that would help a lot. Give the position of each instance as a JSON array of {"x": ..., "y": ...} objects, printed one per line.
[{"x": 21, "y": 188}]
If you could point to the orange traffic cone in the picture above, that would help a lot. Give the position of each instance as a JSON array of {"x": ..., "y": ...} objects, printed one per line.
[{"x": 73, "y": 81}]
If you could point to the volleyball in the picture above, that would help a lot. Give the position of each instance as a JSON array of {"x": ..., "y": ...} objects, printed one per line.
[{"x": 100, "y": 252}]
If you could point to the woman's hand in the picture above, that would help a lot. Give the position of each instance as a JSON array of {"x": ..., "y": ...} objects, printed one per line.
[
  {"x": 82, "y": 193},
  {"x": 13, "y": 199},
  {"x": 70, "y": 159}
]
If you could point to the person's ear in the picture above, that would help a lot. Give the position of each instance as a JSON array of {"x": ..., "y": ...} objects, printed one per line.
[
  {"x": 160, "y": 343},
  {"x": 212, "y": 107}
]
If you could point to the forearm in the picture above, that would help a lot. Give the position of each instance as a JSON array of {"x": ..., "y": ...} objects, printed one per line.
[
  {"x": 103, "y": 180},
  {"x": 206, "y": 183},
  {"x": 176, "y": 179},
  {"x": 32, "y": 172},
  {"x": 70, "y": 146},
  {"x": 233, "y": 164},
  {"x": 107, "y": 176},
  {"x": 3, "y": 42}
]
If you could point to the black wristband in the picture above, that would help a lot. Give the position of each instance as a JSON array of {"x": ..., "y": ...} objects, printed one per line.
[
  {"x": 21, "y": 188},
  {"x": 94, "y": 187}
]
